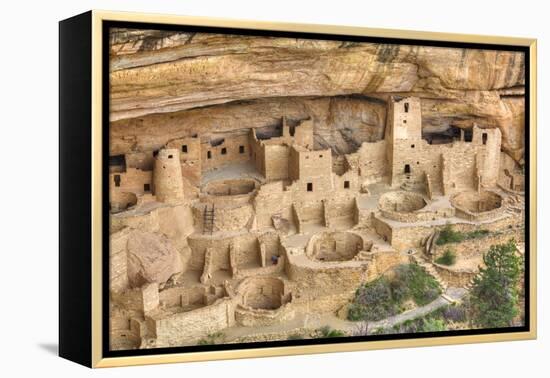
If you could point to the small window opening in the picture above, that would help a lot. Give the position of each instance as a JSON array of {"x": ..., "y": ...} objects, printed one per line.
[
  {"x": 155, "y": 153},
  {"x": 146, "y": 187},
  {"x": 407, "y": 168},
  {"x": 484, "y": 138},
  {"x": 117, "y": 180},
  {"x": 320, "y": 156},
  {"x": 292, "y": 130},
  {"x": 346, "y": 184},
  {"x": 406, "y": 107},
  {"x": 170, "y": 156},
  {"x": 224, "y": 151},
  {"x": 310, "y": 187},
  {"x": 404, "y": 121},
  {"x": 241, "y": 149},
  {"x": 184, "y": 148},
  {"x": 412, "y": 145},
  {"x": 468, "y": 135},
  {"x": 209, "y": 154}
]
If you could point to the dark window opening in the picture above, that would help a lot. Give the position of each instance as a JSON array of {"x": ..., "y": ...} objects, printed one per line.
[
  {"x": 117, "y": 180},
  {"x": 412, "y": 145},
  {"x": 417, "y": 162},
  {"x": 468, "y": 135},
  {"x": 346, "y": 184},
  {"x": 404, "y": 121},
  {"x": 117, "y": 163},
  {"x": 406, "y": 107},
  {"x": 310, "y": 187},
  {"x": 241, "y": 149},
  {"x": 484, "y": 138},
  {"x": 209, "y": 154},
  {"x": 407, "y": 169},
  {"x": 445, "y": 137},
  {"x": 216, "y": 142},
  {"x": 320, "y": 156},
  {"x": 184, "y": 148},
  {"x": 170, "y": 156},
  {"x": 155, "y": 153},
  {"x": 117, "y": 160},
  {"x": 224, "y": 151},
  {"x": 146, "y": 187},
  {"x": 292, "y": 130}
]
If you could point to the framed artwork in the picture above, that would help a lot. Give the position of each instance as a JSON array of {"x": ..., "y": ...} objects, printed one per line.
[{"x": 234, "y": 189}]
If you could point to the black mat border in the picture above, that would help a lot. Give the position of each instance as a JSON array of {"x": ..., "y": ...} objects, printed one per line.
[{"x": 106, "y": 25}]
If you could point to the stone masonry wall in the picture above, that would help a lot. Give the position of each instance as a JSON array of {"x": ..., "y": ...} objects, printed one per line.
[{"x": 228, "y": 150}]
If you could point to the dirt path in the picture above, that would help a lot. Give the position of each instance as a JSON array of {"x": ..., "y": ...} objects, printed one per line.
[{"x": 320, "y": 320}]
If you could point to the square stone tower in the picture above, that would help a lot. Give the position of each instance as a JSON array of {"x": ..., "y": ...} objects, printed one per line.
[{"x": 403, "y": 127}]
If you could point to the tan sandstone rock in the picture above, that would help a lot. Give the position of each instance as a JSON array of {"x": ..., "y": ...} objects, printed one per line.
[
  {"x": 177, "y": 84},
  {"x": 151, "y": 259}
]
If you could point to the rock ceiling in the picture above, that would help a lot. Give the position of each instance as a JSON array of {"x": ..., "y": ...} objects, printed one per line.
[{"x": 169, "y": 84}]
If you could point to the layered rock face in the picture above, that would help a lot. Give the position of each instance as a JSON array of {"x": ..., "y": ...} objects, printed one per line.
[{"x": 169, "y": 84}]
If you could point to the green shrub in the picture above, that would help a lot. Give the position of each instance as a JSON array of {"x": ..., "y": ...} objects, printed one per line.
[
  {"x": 495, "y": 295},
  {"x": 448, "y": 257},
  {"x": 373, "y": 301},
  {"x": 447, "y": 235},
  {"x": 212, "y": 338},
  {"x": 326, "y": 331},
  {"x": 384, "y": 297},
  {"x": 412, "y": 282},
  {"x": 476, "y": 234},
  {"x": 455, "y": 313},
  {"x": 433, "y": 325}
]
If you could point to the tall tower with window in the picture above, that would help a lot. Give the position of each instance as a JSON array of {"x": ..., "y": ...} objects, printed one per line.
[
  {"x": 404, "y": 134},
  {"x": 167, "y": 177}
]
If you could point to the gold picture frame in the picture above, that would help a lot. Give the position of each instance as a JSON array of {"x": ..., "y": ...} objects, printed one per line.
[{"x": 93, "y": 25}]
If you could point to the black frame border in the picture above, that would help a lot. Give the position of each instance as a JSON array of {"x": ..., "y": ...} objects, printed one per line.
[{"x": 106, "y": 25}]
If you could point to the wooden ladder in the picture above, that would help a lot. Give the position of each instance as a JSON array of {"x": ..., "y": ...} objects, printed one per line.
[{"x": 208, "y": 219}]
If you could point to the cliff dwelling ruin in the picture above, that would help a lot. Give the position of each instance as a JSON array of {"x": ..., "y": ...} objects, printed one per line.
[{"x": 250, "y": 229}]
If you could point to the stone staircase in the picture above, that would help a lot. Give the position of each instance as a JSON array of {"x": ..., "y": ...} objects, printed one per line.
[
  {"x": 363, "y": 256},
  {"x": 516, "y": 205},
  {"x": 430, "y": 269},
  {"x": 208, "y": 220}
]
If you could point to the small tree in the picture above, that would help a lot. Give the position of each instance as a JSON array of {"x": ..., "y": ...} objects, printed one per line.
[{"x": 495, "y": 294}]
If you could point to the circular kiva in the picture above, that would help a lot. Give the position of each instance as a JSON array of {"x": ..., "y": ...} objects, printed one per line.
[
  {"x": 477, "y": 202},
  {"x": 335, "y": 246},
  {"x": 265, "y": 293},
  {"x": 401, "y": 202}
]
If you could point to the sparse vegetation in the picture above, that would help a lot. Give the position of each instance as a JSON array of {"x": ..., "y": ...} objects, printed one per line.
[
  {"x": 212, "y": 339},
  {"x": 385, "y": 296},
  {"x": 327, "y": 332},
  {"x": 433, "y": 325},
  {"x": 495, "y": 294},
  {"x": 448, "y": 235},
  {"x": 476, "y": 234},
  {"x": 447, "y": 258},
  {"x": 442, "y": 319}
]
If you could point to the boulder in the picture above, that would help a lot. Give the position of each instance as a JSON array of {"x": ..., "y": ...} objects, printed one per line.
[{"x": 151, "y": 259}]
